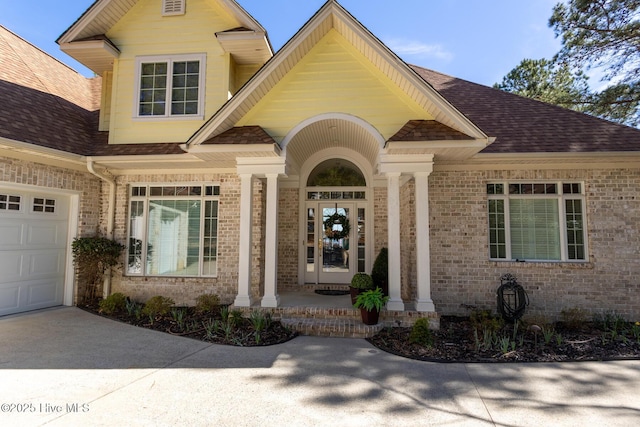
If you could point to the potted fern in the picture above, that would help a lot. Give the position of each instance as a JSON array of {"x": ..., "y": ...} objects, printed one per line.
[
  {"x": 359, "y": 282},
  {"x": 370, "y": 302}
]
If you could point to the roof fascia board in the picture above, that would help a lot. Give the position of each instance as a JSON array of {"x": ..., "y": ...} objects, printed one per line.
[
  {"x": 150, "y": 158},
  {"x": 243, "y": 16},
  {"x": 545, "y": 161},
  {"x": 79, "y": 46},
  {"x": 561, "y": 156},
  {"x": 236, "y": 148},
  {"x": 89, "y": 15},
  {"x": 42, "y": 153},
  {"x": 441, "y": 143}
]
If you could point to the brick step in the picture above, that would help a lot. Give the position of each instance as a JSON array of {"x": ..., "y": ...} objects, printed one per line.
[{"x": 344, "y": 328}]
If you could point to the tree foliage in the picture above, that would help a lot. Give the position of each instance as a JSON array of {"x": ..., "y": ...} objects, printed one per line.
[
  {"x": 596, "y": 34},
  {"x": 547, "y": 81},
  {"x": 600, "y": 33}
]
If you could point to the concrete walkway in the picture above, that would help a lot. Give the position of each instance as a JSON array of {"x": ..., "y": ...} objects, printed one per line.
[{"x": 66, "y": 367}]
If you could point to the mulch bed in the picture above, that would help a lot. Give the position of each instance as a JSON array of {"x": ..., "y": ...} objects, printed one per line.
[
  {"x": 456, "y": 342},
  {"x": 194, "y": 325}
]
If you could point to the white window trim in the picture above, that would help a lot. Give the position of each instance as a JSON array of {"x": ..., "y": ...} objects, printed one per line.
[
  {"x": 562, "y": 215},
  {"x": 145, "y": 199},
  {"x": 170, "y": 59}
]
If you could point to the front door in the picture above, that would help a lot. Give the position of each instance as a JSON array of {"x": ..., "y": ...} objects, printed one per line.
[{"x": 335, "y": 242}]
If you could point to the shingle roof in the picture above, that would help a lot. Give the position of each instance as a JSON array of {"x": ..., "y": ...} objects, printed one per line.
[
  {"x": 46, "y": 103},
  {"x": 427, "y": 130},
  {"x": 523, "y": 125},
  {"x": 242, "y": 135}
]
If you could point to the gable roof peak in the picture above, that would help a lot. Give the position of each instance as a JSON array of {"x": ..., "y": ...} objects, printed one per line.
[{"x": 333, "y": 16}]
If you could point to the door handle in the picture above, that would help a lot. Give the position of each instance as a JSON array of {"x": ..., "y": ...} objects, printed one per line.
[{"x": 319, "y": 244}]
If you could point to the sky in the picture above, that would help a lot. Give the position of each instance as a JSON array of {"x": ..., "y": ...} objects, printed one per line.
[{"x": 479, "y": 41}]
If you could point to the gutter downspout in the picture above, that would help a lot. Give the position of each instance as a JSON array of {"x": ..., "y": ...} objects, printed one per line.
[{"x": 106, "y": 288}]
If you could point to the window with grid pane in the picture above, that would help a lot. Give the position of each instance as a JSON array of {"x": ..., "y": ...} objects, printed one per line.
[
  {"x": 536, "y": 221},
  {"x": 170, "y": 87},
  {"x": 173, "y": 230}
]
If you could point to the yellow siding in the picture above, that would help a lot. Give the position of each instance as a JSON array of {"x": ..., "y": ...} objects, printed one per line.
[
  {"x": 105, "y": 101},
  {"x": 334, "y": 78},
  {"x": 242, "y": 75},
  {"x": 144, "y": 31}
]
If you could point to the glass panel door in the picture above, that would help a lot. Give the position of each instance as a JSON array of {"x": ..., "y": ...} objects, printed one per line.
[
  {"x": 336, "y": 231},
  {"x": 334, "y": 242}
]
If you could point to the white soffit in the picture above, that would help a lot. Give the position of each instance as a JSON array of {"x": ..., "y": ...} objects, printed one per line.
[
  {"x": 97, "y": 20},
  {"x": 97, "y": 55}
]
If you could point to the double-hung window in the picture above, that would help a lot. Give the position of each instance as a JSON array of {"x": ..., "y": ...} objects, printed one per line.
[
  {"x": 536, "y": 221},
  {"x": 170, "y": 87},
  {"x": 173, "y": 230}
]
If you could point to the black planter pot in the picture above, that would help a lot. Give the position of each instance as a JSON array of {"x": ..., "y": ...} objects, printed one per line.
[{"x": 369, "y": 317}]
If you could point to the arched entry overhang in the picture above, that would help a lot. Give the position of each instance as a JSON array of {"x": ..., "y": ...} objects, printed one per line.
[
  {"x": 335, "y": 143},
  {"x": 331, "y": 131}
]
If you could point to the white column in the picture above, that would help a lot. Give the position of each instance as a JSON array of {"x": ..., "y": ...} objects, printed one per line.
[
  {"x": 393, "y": 213},
  {"x": 243, "y": 299},
  {"x": 423, "y": 255},
  {"x": 271, "y": 297}
]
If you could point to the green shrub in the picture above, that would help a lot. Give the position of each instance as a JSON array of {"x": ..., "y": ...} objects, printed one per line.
[
  {"x": 609, "y": 321},
  {"x": 235, "y": 318},
  {"x": 207, "y": 303},
  {"x": 421, "y": 334},
  {"x": 157, "y": 306},
  {"x": 574, "y": 318},
  {"x": 484, "y": 320},
  {"x": 113, "y": 303},
  {"x": 361, "y": 281},
  {"x": 380, "y": 271},
  {"x": 92, "y": 256}
]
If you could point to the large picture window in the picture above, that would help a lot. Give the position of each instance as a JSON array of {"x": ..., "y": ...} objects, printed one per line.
[
  {"x": 170, "y": 86},
  {"x": 536, "y": 221},
  {"x": 173, "y": 230}
]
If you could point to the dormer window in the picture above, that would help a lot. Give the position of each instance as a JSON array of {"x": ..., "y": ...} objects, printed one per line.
[
  {"x": 173, "y": 7},
  {"x": 170, "y": 87}
]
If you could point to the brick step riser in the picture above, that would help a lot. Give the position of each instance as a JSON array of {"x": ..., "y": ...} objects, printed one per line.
[
  {"x": 332, "y": 328},
  {"x": 395, "y": 317}
]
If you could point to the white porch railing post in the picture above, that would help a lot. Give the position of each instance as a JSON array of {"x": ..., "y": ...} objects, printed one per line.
[
  {"x": 243, "y": 299},
  {"x": 423, "y": 254},
  {"x": 271, "y": 297},
  {"x": 393, "y": 213}
]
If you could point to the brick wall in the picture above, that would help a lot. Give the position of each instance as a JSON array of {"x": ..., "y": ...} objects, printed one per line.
[
  {"x": 288, "y": 220},
  {"x": 462, "y": 274}
]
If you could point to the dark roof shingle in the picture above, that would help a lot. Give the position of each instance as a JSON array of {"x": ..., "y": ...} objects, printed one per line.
[
  {"x": 242, "y": 135},
  {"x": 523, "y": 125},
  {"x": 427, "y": 130}
]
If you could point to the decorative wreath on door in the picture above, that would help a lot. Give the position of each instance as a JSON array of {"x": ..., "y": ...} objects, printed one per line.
[{"x": 336, "y": 219}]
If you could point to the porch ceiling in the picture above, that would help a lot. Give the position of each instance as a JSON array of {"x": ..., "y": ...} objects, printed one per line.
[{"x": 334, "y": 134}]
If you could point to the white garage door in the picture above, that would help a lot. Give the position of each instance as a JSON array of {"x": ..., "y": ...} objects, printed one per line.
[{"x": 33, "y": 247}]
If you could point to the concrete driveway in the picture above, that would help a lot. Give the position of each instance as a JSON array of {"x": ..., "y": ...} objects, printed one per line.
[{"x": 66, "y": 367}]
